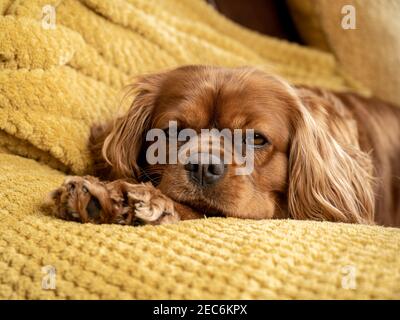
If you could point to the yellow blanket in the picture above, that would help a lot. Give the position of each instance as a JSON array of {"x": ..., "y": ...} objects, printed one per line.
[{"x": 62, "y": 64}]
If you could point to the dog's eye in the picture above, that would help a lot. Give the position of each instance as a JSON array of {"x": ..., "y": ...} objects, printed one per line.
[
  {"x": 256, "y": 141},
  {"x": 167, "y": 132},
  {"x": 174, "y": 134}
]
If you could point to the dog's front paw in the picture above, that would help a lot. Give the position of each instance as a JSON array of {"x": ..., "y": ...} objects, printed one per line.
[
  {"x": 86, "y": 199},
  {"x": 82, "y": 199},
  {"x": 150, "y": 205}
]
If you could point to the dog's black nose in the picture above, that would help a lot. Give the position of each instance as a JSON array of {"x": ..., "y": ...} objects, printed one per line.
[{"x": 205, "y": 174}]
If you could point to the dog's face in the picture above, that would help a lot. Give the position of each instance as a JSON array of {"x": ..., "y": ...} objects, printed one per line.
[
  {"x": 205, "y": 98},
  {"x": 296, "y": 163}
]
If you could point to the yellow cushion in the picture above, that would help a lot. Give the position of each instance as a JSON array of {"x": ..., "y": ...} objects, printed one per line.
[
  {"x": 369, "y": 53},
  {"x": 54, "y": 83}
]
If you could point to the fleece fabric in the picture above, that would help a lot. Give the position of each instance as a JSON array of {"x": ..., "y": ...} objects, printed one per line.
[{"x": 62, "y": 67}]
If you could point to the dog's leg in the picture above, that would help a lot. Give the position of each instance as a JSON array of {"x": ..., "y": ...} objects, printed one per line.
[{"x": 87, "y": 199}]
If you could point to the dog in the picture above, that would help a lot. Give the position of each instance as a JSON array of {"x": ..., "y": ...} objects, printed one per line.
[{"x": 318, "y": 155}]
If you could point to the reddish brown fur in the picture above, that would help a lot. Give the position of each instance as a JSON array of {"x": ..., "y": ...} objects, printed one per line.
[{"x": 333, "y": 156}]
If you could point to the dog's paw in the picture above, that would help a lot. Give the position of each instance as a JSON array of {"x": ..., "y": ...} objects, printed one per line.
[
  {"x": 86, "y": 199},
  {"x": 81, "y": 199},
  {"x": 150, "y": 205}
]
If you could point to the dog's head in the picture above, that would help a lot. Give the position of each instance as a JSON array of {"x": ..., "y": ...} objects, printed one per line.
[{"x": 299, "y": 168}]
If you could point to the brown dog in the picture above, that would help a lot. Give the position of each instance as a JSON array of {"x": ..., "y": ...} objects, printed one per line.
[{"x": 318, "y": 155}]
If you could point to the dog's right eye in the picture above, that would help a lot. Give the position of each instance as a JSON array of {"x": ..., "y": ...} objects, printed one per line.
[{"x": 167, "y": 132}]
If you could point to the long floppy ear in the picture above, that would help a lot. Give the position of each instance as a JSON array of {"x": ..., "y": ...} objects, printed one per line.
[
  {"x": 328, "y": 180},
  {"x": 123, "y": 143}
]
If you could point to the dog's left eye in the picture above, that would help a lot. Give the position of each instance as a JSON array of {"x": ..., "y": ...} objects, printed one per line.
[{"x": 256, "y": 141}]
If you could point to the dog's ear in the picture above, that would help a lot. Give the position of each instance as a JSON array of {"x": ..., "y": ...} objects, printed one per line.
[
  {"x": 126, "y": 134},
  {"x": 329, "y": 179}
]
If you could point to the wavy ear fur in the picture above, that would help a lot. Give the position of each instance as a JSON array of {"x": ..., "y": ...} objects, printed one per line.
[
  {"x": 126, "y": 134},
  {"x": 328, "y": 180}
]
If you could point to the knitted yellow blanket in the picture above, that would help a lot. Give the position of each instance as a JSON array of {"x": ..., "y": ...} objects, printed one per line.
[{"x": 62, "y": 65}]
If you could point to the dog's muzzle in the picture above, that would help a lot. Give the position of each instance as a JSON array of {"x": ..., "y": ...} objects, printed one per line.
[{"x": 205, "y": 169}]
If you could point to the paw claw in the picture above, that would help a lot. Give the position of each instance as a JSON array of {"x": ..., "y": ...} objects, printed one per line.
[{"x": 75, "y": 214}]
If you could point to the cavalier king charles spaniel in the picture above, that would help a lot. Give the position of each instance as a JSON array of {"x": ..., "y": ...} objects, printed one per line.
[{"x": 317, "y": 155}]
